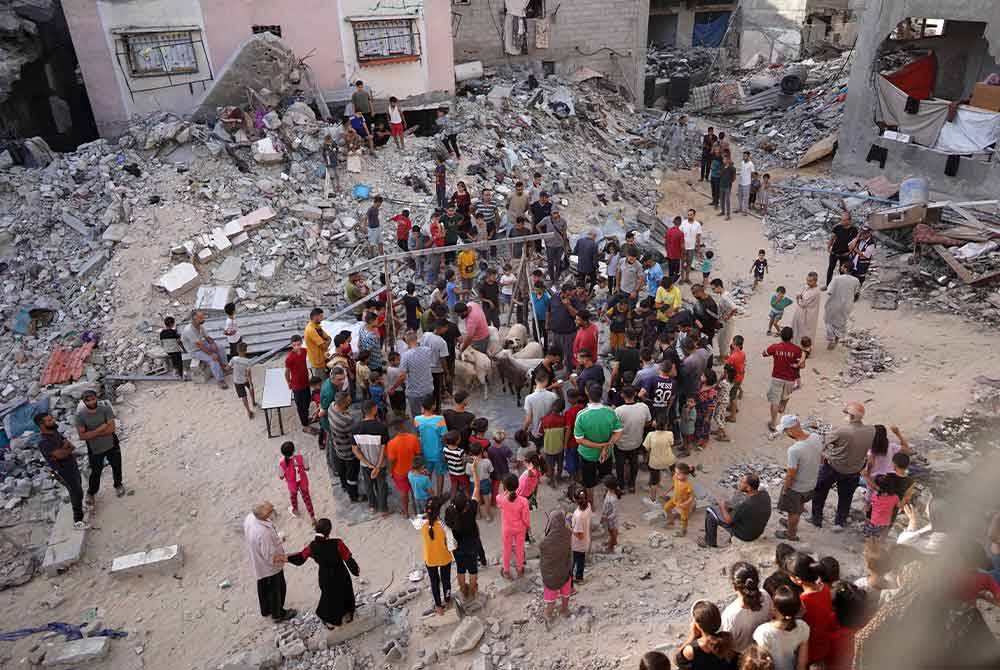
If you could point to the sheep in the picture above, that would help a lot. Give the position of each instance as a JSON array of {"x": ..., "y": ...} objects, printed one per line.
[
  {"x": 517, "y": 334},
  {"x": 465, "y": 375},
  {"x": 494, "y": 344},
  {"x": 482, "y": 365},
  {"x": 514, "y": 373},
  {"x": 529, "y": 350}
]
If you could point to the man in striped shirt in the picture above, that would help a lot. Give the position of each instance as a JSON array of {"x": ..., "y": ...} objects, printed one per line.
[
  {"x": 488, "y": 210},
  {"x": 342, "y": 445}
]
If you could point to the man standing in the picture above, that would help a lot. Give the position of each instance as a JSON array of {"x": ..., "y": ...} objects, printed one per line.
[
  {"x": 634, "y": 417},
  {"x": 630, "y": 273},
  {"x": 555, "y": 247},
  {"x": 727, "y": 315},
  {"x": 746, "y": 178},
  {"x": 862, "y": 249},
  {"x": 416, "y": 363},
  {"x": 653, "y": 274},
  {"x": 597, "y": 429},
  {"x": 705, "y": 311},
  {"x": 363, "y": 102},
  {"x": 783, "y": 374},
  {"x": 585, "y": 338},
  {"x": 435, "y": 341},
  {"x": 691, "y": 229},
  {"x": 374, "y": 227},
  {"x": 586, "y": 259},
  {"x": 517, "y": 202},
  {"x": 95, "y": 424},
  {"x": 707, "y": 142},
  {"x": 841, "y": 294},
  {"x": 331, "y": 178},
  {"x": 297, "y": 378},
  {"x": 346, "y": 465},
  {"x": 561, "y": 320},
  {"x": 659, "y": 390},
  {"x": 477, "y": 329},
  {"x": 675, "y": 249},
  {"x": 58, "y": 453},
  {"x": 801, "y": 474},
  {"x": 839, "y": 244},
  {"x": 371, "y": 437},
  {"x": 590, "y": 373},
  {"x": 745, "y": 520},
  {"x": 844, "y": 456},
  {"x": 204, "y": 349},
  {"x": 487, "y": 212},
  {"x": 317, "y": 343},
  {"x": 537, "y": 404},
  {"x": 267, "y": 556}
]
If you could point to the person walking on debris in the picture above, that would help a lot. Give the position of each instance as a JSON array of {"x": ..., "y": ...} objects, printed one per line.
[
  {"x": 448, "y": 132},
  {"x": 839, "y": 245},
  {"x": 336, "y": 565},
  {"x": 331, "y": 156},
  {"x": 862, "y": 249},
  {"x": 727, "y": 175},
  {"x": 204, "y": 349},
  {"x": 556, "y": 247},
  {"x": 58, "y": 453},
  {"x": 267, "y": 557},
  {"x": 374, "y": 227},
  {"x": 707, "y": 142},
  {"x": 841, "y": 294}
]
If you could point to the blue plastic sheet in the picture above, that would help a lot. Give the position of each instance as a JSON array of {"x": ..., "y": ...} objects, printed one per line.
[
  {"x": 21, "y": 419},
  {"x": 67, "y": 629},
  {"x": 710, "y": 33}
]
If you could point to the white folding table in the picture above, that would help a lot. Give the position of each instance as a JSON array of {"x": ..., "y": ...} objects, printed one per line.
[{"x": 276, "y": 396}]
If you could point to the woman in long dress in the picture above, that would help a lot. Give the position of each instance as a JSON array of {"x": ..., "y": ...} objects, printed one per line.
[
  {"x": 806, "y": 310},
  {"x": 336, "y": 565}
]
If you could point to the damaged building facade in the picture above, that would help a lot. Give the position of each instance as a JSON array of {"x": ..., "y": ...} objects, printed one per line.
[
  {"x": 164, "y": 55},
  {"x": 938, "y": 116}
]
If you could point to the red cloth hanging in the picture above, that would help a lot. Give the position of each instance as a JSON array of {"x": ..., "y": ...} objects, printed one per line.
[{"x": 916, "y": 78}]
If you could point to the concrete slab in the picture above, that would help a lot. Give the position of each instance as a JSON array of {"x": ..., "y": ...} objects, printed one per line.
[
  {"x": 180, "y": 279},
  {"x": 256, "y": 218},
  {"x": 220, "y": 241},
  {"x": 307, "y": 212},
  {"x": 232, "y": 229},
  {"x": 76, "y": 652},
  {"x": 65, "y": 543},
  {"x": 116, "y": 232},
  {"x": 205, "y": 255},
  {"x": 213, "y": 298},
  {"x": 240, "y": 240},
  {"x": 229, "y": 270},
  {"x": 78, "y": 225},
  {"x": 367, "y": 618},
  {"x": 93, "y": 264}
]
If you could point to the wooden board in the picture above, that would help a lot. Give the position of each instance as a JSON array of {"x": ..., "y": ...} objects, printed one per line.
[{"x": 962, "y": 272}]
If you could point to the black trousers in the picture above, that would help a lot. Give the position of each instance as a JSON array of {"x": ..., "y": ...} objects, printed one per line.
[
  {"x": 588, "y": 279},
  {"x": 438, "y": 378},
  {"x": 706, "y": 167},
  {"x": 302, "y": 399},
  {"x": 97, "y": 461},
  {"x": 632, "y": 458},
  {"x": 579, "y": 560},
  {"x": 715, "y": 191},
  {"x": 554, "y": 262},
  {"x": 271, "y": 594},
  {"x": 177, "y": 360},
  {"x": 674, "y": 268},
  {"x": 835, "y": 260},
  {"x": 349, "y": 470},
  {"x": 713, "y": 519},
  {"x": 846, "y": 486},
  {"x": 492, "y": 316},
  {"x": 451, "y": 144},
  {"x": 440, "y": 582},
  {"x": 70, "y": 478}
]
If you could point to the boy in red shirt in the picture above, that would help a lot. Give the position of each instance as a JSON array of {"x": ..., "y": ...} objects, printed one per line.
[
  {"x": 738, "y": 359},
  {"x": 786, "y": 356},
  {"x": 403, "y": 225}
]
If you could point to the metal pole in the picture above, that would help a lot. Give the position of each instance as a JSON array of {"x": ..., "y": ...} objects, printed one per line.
[{"x": 403, "y": 255}]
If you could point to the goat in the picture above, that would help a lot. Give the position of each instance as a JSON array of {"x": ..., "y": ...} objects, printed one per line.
[
  {"x": 530, "y": 350},
  {"x": 514, "y": 374}
]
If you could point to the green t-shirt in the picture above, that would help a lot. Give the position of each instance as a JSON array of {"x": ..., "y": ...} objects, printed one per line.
[
  {"x": 596, "y": 423},
  {"x": 451, "y": 224}
]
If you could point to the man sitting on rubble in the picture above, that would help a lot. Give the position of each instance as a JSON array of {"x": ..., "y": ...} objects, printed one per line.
[
  {"x": 203, "y": 348},
  {"x": 360, "y": 127}
]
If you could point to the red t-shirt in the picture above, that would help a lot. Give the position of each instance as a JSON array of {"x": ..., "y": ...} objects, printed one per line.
[
  {"x": 841, "y": 654},
  {"x": 295, "y": 363},
  {"x": 970, "y": 586},
  {"x": 403, "y": 226},
  {"x": 822, "y": 622},
  {"x": 738, "y": 359},
  {"x": 586, "y": 338},
  {"x": 675, "y": 243},
  {"x": 551, "y": 421},
  {"x": 571, "y": 423},
  {"x": 785, "y": 354}
]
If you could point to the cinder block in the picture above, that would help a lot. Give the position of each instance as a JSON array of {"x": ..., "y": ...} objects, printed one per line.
[
  {"x": 181, "y": 278},
  {"x": 75, "y": 652},
  {"x": 65, "y": 543},
  {"x": 164, "y": 559}
]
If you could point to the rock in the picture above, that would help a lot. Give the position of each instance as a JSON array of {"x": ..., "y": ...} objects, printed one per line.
[
  {"x": 77, "y": 652},
  {"x": 65, "y": 543},
  {"x": 366, "y": 618},
  {"x": 116, "y": 232},
  {"x": 164, "y": 559},
  {"x": 307, "y": 212},
  {"x": 467, "y": 636},
  {"x": 344, "y": 662},
  {"x": 265, "y": 152},
  {"x": 179, "y": 280},
  {"x": 450, "y": 617},
  {"x": 317, "y": 641},
  {"x": 481, "y": 662},
  {"x": 299, "y": 114},
  {"x": 293, "y": 649},
  {"x": 229, "y": 270},
  {"x": 257, "y": 659}
]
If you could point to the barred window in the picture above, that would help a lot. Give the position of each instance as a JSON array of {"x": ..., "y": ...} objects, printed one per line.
[
  {"x": 156, "y": 54},
  {"x": 389, "y": 39}
]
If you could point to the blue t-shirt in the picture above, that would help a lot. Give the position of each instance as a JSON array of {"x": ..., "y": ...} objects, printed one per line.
[
  {"x": 431, "y": 429},
  {"x": 452, "y": 298},
  {"x": 541, "y": 304},
  {"x": 358, "y": 123},
  {"x": 706, "y": 265},
  {"x": 421, "y": 485},
  {"x": 653, "y": 277}
]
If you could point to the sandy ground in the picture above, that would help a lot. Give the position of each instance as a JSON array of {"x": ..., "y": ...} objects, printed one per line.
[{"x": 197, "y": 465}]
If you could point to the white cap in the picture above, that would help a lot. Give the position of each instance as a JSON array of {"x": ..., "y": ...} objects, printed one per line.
[{"x": 786, "y": 422}]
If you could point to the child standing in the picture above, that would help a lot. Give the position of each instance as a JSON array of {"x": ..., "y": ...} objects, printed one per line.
[
  {"x": 397, "y": 399},
  {"x": 785, "y": 637},
  {"x": 609, "y": 512},
  {"x": 764, "y": 195},
  {"x": 170, "y": 340},
  {"x": 397, "y": 122},
  {"x": 527, "y": 483},
  {"x": 601, "y": 294},
  {"x": 754, "y": 188},
  {"x": 580, "y": 525},
  {"x": 437, "y": 557},
  {"x": 689, "y": 417},
  {"x": 243, "y": 379},
  {"x": 738, "y": 359},
  {"x": 884, "y": 501},
  {"x": 376, "y": 391},
  {"x": 431, "y": 427},
  {"x": 659, "y": 443},
  {"x": 613, "y": 256},
  {"x": 411, "y": 303},
  {"x": 454, "y": 457},
  {"x": 480, "y": 469},
  {"x": 707, "y": 400},
  {"x": 682, "y": 498},
  {"x": 420, "y": 483},
  {"x": 292, "y": 468},
  {"x": 440, "y": 183},
  {"x": 498, "y": 452},
  {"x": 722, "y": 398},
  {"x": 805, "y": 344},
  {"x": 362, "y": 373},
  {"x": 706, "y": 266},
  {"x": 230, "y": 330},
  {"x": 553, "y": 427},
  {"x": 540, "y": 301},
  {"x": 507, "y": 281},
  {"x": 577, "y": 402},
  {"x": 515, "y": 523},
  {"x": 759, "y": 268},
  {"x": 618, "y": 320},
  {"x": 779, "y": 301}
]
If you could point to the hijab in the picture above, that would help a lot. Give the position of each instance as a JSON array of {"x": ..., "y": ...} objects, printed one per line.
[{"x": 555, "y": 551}]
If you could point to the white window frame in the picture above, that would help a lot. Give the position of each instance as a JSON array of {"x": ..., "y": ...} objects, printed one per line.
[
  {"x": 378, "y": 40},
  {"x": 158, "y": 54}
]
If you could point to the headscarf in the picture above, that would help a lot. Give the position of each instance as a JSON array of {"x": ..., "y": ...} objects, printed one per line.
[{"x": 555, "y": 551}]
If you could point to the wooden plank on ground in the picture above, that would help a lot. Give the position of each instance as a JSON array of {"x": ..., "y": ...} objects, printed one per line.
[
  {"x": 989, "y": 276},
  {"x": 962, "y": 272},
  {"x": 973, "y": 221}
]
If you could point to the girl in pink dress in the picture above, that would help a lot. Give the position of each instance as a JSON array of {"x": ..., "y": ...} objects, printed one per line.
[
  {"x": 292, "y": 468},
  {"x": 515, "y": 522}
]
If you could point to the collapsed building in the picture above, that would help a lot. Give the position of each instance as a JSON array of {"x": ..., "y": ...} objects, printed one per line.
[{"x": 938, "y": 116}]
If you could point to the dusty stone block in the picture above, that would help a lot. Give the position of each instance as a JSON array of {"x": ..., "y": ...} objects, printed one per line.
[
  {"x": 65, "y": 543},
  {"x": 163, "y": 558},
  {"x": 181, "y": 278},
  {"x": 75, "y": 652}
]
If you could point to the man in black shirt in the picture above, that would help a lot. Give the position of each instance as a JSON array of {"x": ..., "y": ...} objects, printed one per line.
[
  {"x": 626, "y": 360},
  {"x": 489, "y": 296},
  {"x": 590, "y": 374},
  {"x": 561, "y": 319},
  {"x": 450, "y": 333},
  {"x": 459, "y": 418},
  {"x": 370, "y": 438},
  {"x": 745, "y": 520},
  {"x": 706, "y": 311},
  {"x": 58, "y": 453},
  {"x": 839, "y": 244},
  {"x": 660, "y": 392},
  {"x": 550, "y": 363}
]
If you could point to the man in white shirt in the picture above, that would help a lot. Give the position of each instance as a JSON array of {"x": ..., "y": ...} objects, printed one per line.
[
  {"x": 746, "y": 177},
  {"x": 692, "y": 242},
  {"x": 204, "y": 349},
  {"x": 536, "y": 405},
  {"x": 804, "y": 458},
  {"x": 433, "y": 341}
]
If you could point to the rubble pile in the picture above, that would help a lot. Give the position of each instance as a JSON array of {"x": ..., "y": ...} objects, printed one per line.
[
  {"x": 803, "y": 211},
  {"x": 698, "y": 64},
  {"x": 866, "y": 357}
]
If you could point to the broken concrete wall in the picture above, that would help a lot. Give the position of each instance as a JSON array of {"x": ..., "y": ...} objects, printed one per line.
[
  {"x": 771, "y": 28},
  {"x": 963, "y": 58},
  {"x": 610, "y": 38},
  {"x": 975, "y": 179}
]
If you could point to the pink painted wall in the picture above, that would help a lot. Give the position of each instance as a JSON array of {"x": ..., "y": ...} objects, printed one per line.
[
  {"x": 440, "y": 47},
  {"x": 97, "y": 65},
  {"x": 306, "y": 25}
]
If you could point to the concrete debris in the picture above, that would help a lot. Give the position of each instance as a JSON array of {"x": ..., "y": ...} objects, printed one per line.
[
  {"x": 77, "y": 652},
  {"x": 163, "y": 559},
  {"x": 180, "y": 279}
]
